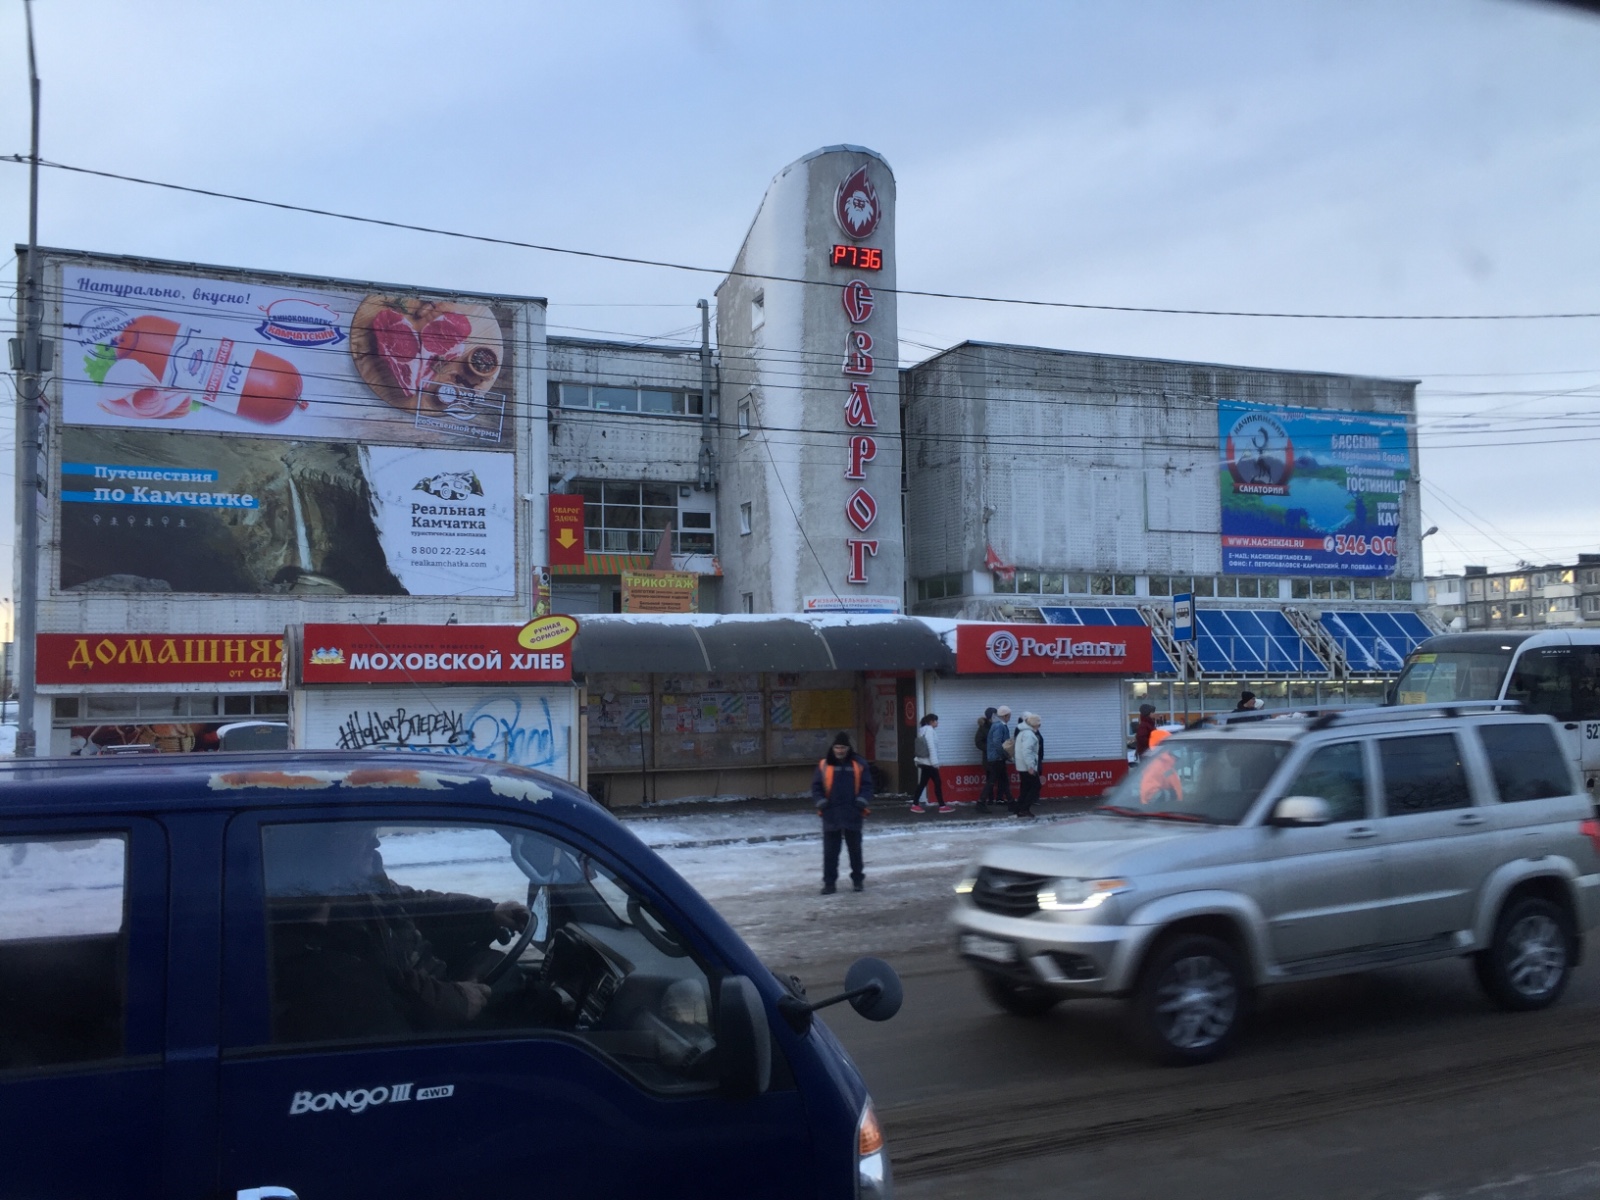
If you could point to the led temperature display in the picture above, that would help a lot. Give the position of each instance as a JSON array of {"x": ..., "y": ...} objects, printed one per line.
[{"x": 863, "y": 258}]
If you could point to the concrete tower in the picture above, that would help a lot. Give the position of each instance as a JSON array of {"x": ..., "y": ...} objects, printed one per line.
[{"x": 806, "y": 326}]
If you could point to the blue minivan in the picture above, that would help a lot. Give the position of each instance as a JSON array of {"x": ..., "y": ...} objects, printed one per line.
[{"x": 328, "y": 975}]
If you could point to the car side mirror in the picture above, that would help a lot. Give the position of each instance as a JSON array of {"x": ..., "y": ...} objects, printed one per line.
[
  {"x": 874, "y": 989},
  {"x": 1300, "y": 811},
  {"x": 744, "y": 1042},
  {"x": 871, "y": 986}
]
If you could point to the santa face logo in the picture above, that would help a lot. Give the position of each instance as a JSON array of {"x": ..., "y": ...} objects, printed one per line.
[
  {"x": 856, "y": 206},
  {"x": 1002, "y": 648}
]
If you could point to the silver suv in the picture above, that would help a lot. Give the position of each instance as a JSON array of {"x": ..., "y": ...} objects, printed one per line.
[{"x": 1294, "y": 848}]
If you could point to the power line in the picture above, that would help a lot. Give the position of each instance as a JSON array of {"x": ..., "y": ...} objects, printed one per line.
[{"x": 633, "y": 260}]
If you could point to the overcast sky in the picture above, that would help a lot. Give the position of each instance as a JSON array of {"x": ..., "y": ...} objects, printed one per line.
[{"x": 1356, "y": 156}]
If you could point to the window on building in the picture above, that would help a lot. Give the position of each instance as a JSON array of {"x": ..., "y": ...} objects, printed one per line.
[
  {"x": 1497, "y": 587},
  {"x": 1005, "y": 582},
  {"x": 1591, "y": 577},
  {"x": 1161, "y": 585},
  {"x": 1402, "y": 589},
  {"x": 694, "y": 535},
  {"x": 657, "y": 402},
  {"x": 747, "y": 601},
  {"x": 627, "y": 518},
  {"x": 1077, "y": 584},
  {"x": 1125, "y": 585},
  {"x": 1300, "y": 589},
  {"x": 255, "y": 706},
  {"x": 1562, "y": 576},
  {"x": 1519, "y": 608},
  {"x": 758, "y": 311},
  {"x": 1027, "y": 582},
  {"x": 1517, "y": 585},
  {"x": 1228, "y": 585},
  {"x": 744, "y": 418},
  {"x": 938, "y": 587},
  {"x": 1561, "y": 604},
  {"x": 1591, "y": 605},
  {"x": 1052, "y": 583},
  {"x": 1341, "y": 589},
  {"x": 1322, "y": 589},
  {"x": 1475, "y": 612},
  {"x": 1474, "y": 589},
  {"x": 1204, "y": 585},
  {"x": 1100, "y": 585},
  {"x": 744, "y": 517},
  {"x": 1363, "y": 589},
  {"x": 1497, "y": 612}
]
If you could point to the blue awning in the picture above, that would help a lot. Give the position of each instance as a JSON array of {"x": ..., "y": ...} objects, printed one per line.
[
  {"x": 1376, "y": 641},
  {"x": 1251, "y": 641},
  {"x": 1160, "y": 663}
]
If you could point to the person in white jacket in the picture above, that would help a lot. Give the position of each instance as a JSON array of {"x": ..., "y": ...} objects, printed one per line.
[
  {"x": 927, "y": 759},
  {"x": 1029, "y": 751}
]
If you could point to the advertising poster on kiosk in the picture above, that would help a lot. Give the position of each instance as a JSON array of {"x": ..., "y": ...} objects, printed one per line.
[
  {"x": 146, "y": 511},
  {"x": 1311, "y": 491},
  {"x": 256, "y": 355}
]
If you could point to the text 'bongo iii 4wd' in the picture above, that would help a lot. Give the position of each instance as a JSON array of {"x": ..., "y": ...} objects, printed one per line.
[
  {"x": 386, "y": 976},
  {"x": 1266, "y": 851}
]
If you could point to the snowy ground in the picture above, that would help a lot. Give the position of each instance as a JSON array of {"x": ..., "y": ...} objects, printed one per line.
[{"x": 763, "y": 872}]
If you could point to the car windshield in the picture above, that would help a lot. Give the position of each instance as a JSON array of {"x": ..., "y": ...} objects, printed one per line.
[
  {"x": 1211, "y": 780},
  {"x": 1457, "y": 675}
]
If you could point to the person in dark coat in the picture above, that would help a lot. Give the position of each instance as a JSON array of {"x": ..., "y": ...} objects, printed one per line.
[
  {"x": 1147, "y": 726},
  {"x": 996, "y": 761},
  {"x": 842, "y": 789}
]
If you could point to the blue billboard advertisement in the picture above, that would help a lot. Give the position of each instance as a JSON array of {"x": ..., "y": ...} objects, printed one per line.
[{"x": 1310, "y": 491}]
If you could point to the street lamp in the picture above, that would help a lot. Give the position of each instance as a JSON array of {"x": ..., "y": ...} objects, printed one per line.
[{"x": 1426, "y": 534}]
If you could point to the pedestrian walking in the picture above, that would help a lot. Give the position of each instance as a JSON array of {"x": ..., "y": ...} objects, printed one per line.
[
  {"x": 1248, "y": 703},
  {"x": 1147, "y": 726},
  {"x": 997, "y": 758},
  {"x": 1030, "y": 763},
  {"x": 841, "y": 789},
  {"x": 927, "y": 760},
  {"x": 981, "y": 738}
]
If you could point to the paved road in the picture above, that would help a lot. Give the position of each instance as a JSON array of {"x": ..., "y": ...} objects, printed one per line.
[
  {"x": 1399, "y": 1084},
  {"x": 1403, "y": 1083}
]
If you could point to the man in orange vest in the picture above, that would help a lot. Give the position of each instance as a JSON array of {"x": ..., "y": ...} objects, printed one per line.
[{"x": 841, "y": 788}]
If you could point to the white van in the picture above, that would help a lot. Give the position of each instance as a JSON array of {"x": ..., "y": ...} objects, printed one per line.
[{"x": 1556, "y": 673}]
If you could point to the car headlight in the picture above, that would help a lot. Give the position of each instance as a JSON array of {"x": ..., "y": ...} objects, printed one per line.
[
  {"x": 1076, "y": 895},
  {"x": 965, "y": 884},
  {"x": 873, "y": 1180}
]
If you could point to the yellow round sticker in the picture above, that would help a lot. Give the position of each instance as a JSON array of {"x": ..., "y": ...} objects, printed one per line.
[{"x": 544, "y": 633}]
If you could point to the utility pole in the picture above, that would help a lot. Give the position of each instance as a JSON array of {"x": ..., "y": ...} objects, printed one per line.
[
  {"x": 28, "y": 358},
  {"x": 708, "y": 450}
]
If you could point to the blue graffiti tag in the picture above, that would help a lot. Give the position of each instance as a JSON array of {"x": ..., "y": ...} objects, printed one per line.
[{"x": 502, "y": 730}]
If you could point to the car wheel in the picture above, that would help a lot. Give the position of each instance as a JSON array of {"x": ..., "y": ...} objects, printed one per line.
[
  {"x": 1190, "y": 1000},
  {"x": 1528, "y": 963},
  {"x": 1018, "y": 999}
]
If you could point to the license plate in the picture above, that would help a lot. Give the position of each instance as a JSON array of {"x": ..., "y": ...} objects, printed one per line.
[{"x": 990, "y": 948}]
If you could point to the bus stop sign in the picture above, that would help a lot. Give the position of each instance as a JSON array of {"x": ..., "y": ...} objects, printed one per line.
[{"x": 1183, "y": 617}]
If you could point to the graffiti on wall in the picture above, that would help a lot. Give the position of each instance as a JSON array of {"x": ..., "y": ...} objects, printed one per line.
[{"x": 506, "y": 727}]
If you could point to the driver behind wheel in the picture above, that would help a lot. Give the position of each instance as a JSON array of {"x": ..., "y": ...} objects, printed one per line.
[{"x": 356, "y": 954}]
